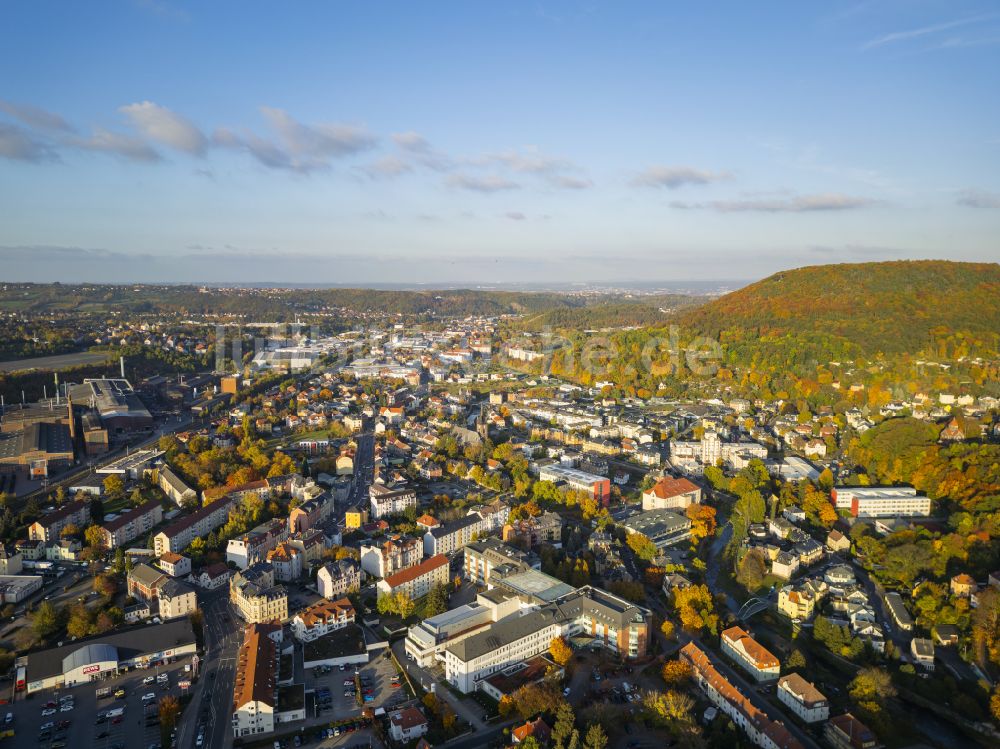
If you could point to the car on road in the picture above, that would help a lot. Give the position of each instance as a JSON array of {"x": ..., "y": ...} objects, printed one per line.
[
  {"x": 48, "y": 711},
  {"x": 66, "y": 707},
  {"x": 148, "y": 697},
  {"x": 48, "y": 726},
  {"x": 149, "y": 680}
]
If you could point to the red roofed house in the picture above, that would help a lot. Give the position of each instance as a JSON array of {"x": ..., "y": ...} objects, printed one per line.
[
  {"x": 408, "y": 724},
  {"x": 416, "y": 581},
  {"x": 757, "y": 660},
  {"x": 847, "y": 732},
  {"x": 762, "y": 729},
  {"x": 537, "y": 728},
  {"x": 671, "y": 494}
]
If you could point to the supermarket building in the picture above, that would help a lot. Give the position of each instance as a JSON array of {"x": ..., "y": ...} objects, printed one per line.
[{"x": 103, "y": 656}]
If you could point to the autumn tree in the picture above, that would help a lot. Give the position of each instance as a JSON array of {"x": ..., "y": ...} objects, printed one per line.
[
  {"x": 675, "y": 673},
  {"x": 643, "y": 547},
  {"x": 169, "y": 710},
  {"x": 94, "y": 537},
  {"x": 703, "y": 522},
  {"x": 695, "y": 608},
  {"x": 752, "y": 570},
  {"x": 560, "y": 651},
  {"x": 114, "y": 487},
  {"x": 70, "y": 530},
  {"x": 667, "y": 628},
  {"x": 595, "y": 738}
]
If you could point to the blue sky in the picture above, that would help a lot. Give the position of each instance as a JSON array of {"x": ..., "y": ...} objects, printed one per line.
[{"x": 154, "y": 140}]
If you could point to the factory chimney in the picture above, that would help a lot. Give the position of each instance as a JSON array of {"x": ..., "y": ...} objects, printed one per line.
[{"x": 121, "y": 360}]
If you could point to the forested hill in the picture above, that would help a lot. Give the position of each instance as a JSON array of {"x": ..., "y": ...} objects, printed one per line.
[{"x": 839, "y": 311}]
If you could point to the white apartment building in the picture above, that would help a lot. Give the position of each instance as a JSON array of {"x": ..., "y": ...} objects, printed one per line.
[
  {"x": 132, "y": 524},
  {"x": 255, "y": 693},
  {"x": 398, "y": 553},
  {"x": 450, "y": 537},
  {"x": 337, "y": 579},
  {"x": 482, "y": 557},
  {"x": 755, "y": 659},
  {"x": 874, "y": 502},
  {"x": 253, "y": 546},
  {"x": 388, "y": 501},
  {"x": 426, "y": 640},
  {"x": 416, "y": 581},
  {"x": 179, "y": 535},
  {"x": 803, "y": 698},
  {"x": 255, "y": 596},
  {"x": 322, "y": 618},
  {"x": 176, "y": 599}
]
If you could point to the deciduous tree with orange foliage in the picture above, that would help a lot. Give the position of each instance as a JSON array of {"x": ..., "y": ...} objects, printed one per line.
[
  {"x": 702, "y": 519},
  {"x": 695, "y": 608},
  {"x": 675, "y": 673},
  {"x": 560, "y": 651}
]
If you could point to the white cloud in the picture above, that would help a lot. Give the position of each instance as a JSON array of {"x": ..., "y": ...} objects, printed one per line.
[
  {"x": 119, "y": 144},
  {"x": 388, "y": 166},
  {"x": 486, "y": 184},
  {"x": 673, "y": 177},
  {"x": 18, "y": 145},
  {"x": 36, "y": 117},
  {"x": 908, "y": 34},
  {"x": 515, "y": 216},
  {"x": 973, "y": 198},
  {"x": 161, "y": 125},
  {"x": 321, "y": 141},
  {"x": 800, "y": 204}
]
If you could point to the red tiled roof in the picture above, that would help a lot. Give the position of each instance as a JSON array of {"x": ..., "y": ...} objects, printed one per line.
[
  {"x": 761, "y": 656},
  {"x": 412, "y": 573},
  {"x": 668, "y": 487}
]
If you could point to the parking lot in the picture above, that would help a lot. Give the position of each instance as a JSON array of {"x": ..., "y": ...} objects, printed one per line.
[
  {"x": 379, "y": 674},
  {"x": 80, "y": 727}
]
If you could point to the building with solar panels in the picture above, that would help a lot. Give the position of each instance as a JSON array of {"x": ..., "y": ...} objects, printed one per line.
[{"x": 103, "y": 656}]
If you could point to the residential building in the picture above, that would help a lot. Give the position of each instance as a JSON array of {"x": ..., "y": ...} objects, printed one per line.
[
  {"x": 529, "y": 532},
  {"x": 132, "y": 524},
  {"x": 214, "y": 576},
  {"x": 176, "y": 599},
  {"x": 898, "y": 612},
  {"x": 391, "y": 556},
  {"x": 174, "y": 565},
  {"x": 753, "y": 657},
  {"x": 144, "y": 582},
  {"x": 355, "y": 517},
  {"x": 963, "y": 585},
  {"x": 837, "y": 542},
  {"x": 255, "y": 694},
  {"x": 425, "y": 640},
  {"x": 256, "y": 597},
  {"x": 174, "y": 487},
  {"x": 482, "y": 557},
  {"x": 450, "y": 537},
  {"x": 416, "y": 581},
  {"x": 922, "y": 650},
  {"x": 762, "y": 730},
  {"x": 178, "y": 535},
  {"x": 337, "y": 579},
  {"x": 253, "y": 547},
  {"x": 847, "y": 732},
  {"x": 11, "y": 560},
  {"x": 671, "y": 493},
  {"x": 871, "y": 502},
  {"x": 48, "y": 527},
  {"x": 407, "y": 724},
  {"x": 388, "y": 501},
  {"x": 803, "y": 698},
  {"x": 322, "y": 618},
  {"x": 785, "y": 565},
  {"x": 287, "y": 562},
  {"x": 538, "y": 729},
  {"x": 310, "y": 513}
]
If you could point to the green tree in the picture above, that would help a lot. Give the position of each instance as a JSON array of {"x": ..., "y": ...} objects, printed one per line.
[
  {"x": 595, "y": 738},
  {"x": 45, "y": 620},
  {"x": 114, "y": 487}
]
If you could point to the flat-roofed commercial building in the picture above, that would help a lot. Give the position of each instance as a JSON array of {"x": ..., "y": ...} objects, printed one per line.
[
  {"x": 874, "y": 502},
  {"x": 663, "y": 527},
  {"x": 599, "y": 487},
  {"x": 426, "y": 640},
  {"x": 103, "y": 656}
]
